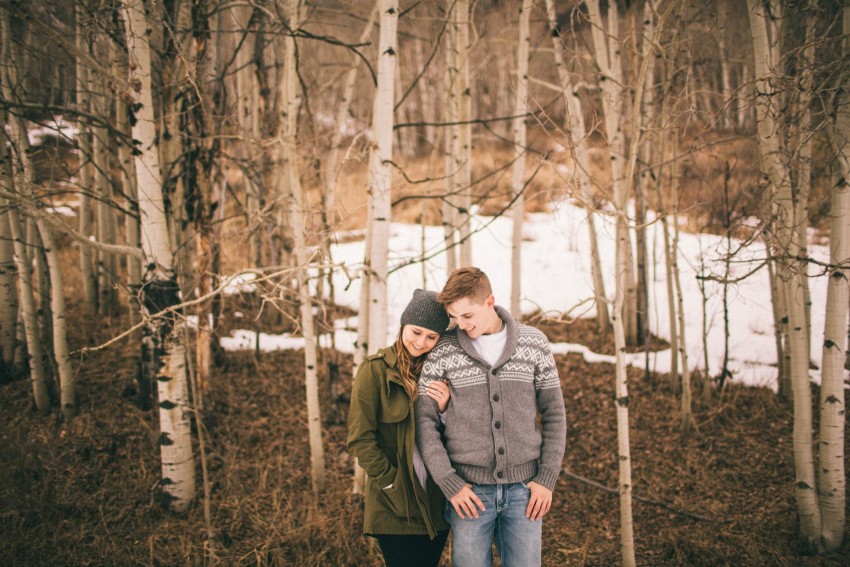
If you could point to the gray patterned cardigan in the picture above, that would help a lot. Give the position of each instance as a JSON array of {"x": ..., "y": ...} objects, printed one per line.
[{"x": 490, "y": 432}]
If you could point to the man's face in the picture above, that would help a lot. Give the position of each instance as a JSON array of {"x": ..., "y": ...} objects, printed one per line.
[{"x": 474, "y": 317}]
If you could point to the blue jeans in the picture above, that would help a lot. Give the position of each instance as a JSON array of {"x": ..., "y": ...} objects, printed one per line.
[{"x": 518, "y": 539}]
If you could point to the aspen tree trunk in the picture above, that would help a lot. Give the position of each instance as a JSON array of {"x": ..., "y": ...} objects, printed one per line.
[
  {"x": 464, "y": 98},
  {"x": 298, "y": 213},
  {"x": 86, "y": 178},
  {"x": 406, "y": 137},
  {"x": 663, "y": 214},
  {"x": 627, "y": 538},
  {"x": 780, "y": 334},
  {"x": 19, "y": 181},
  {"x": 372, "y": 320},
  {"x": 8, "y": 296},
  {"x": 67, "y": 377},
  {"x": 102, "y": 188},
  {"x": 362, "y": 347},
  {"x": 131, "y": 221},
  {"x": 687, "y": 396},
  {"x": 726, "y": 117},
  {"x": 257, "y": 202},
  {"x": 9, "y": 311},
  {"x": 575, "y": 129},
  {"x": 380, "y": 174},
  {"x": 519, "y": 139},
  {"x": 744, "y": 98},
  {"x": 615, "y": 94},
  {"x": 202, "y": 121},
  {"x": 804, "y": 159},
  {"x": 40, "y": 276},
  {"x": 832, "y": 476},
  {"x": 776, "y": 171},
  {"x": 453, "y": 137},
  {"x": 163, "y": 351},
  {"x": 175, "y": 75},
  {"x": 687, "y": 408},
  {"x": 28, "y": 314},
  {"x": 642, "y": 146},
  {"x": 426, "y": 99}
]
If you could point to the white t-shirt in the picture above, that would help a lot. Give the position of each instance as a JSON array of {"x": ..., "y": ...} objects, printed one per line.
[{"x": 490, "y": 347}]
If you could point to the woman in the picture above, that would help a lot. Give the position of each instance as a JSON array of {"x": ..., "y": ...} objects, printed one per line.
[{"x": 403, "y": 508}]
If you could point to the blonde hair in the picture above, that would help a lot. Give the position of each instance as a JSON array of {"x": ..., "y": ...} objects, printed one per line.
[
  {"x": 408, "y": 367},
  {"x": 463, "y": 283}
]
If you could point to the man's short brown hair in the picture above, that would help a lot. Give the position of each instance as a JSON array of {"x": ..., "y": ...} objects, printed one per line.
[{"x": 463, "y": 283}]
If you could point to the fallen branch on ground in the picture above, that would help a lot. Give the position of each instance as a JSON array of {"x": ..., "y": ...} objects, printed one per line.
[{"x": 640, "y": 498}]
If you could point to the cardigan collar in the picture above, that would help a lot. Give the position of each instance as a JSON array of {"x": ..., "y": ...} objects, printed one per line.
[{"x": 511, "y": 328}]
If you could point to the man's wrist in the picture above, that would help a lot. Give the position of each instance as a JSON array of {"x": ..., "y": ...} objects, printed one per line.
[
  {"x": 547, "y": 478},
  {"x": 451, "y": 485}
]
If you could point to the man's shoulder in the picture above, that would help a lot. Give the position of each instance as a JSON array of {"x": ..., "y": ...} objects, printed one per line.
[{"x": 531, "y": 335}]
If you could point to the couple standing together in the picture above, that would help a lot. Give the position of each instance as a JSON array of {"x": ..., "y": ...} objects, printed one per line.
[{"x": 446, "y": 426}]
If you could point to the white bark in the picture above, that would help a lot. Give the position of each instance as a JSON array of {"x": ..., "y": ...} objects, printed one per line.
[
  {"x": 453, "y": 137},
  {"x": 464, "y": 99},
  {"x": 86, "y": 178},
  {"x": 67, "y": 377},
  {"x": 726, "y": 116},
  {"x": 627, "y": 538},
  {"x": 8, "y": 296},
  {"x": 105, "y": 262},
  {"x": 519, "y": 139},
  {"x": 298, "y": 213},
  {"x": 380, "y": 174},
  {"x": 162, "y": 335},
  {"x": 832, "y": 477},
  {"x": 785, "y": 240},
  {"x": 131, "y": 222},
  {"x": 28, "y": 315}
]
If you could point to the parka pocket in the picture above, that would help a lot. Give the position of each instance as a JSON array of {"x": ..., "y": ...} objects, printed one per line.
[{"x": 395, "y": 495}]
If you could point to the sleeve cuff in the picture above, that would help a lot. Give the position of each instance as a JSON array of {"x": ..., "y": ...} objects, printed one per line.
[
  {"x": 451, "y": 485},
  {"x": 547, "y": 478}
]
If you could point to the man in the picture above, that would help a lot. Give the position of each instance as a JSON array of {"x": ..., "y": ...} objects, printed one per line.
[{"x": 497, "y": 468}]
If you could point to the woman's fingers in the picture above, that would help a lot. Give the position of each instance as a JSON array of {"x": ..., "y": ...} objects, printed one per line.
[{"x": 438, "y": 391}]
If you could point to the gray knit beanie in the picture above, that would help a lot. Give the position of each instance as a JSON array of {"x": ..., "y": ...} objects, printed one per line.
[{"x": 424, "y": 311}]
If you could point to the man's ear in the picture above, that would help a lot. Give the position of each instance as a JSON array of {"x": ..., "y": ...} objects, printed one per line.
[{"x": 490, "y": 301}]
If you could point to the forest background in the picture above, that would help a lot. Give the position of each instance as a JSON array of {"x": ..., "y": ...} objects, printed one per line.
[{"x": 176, "y": 171}]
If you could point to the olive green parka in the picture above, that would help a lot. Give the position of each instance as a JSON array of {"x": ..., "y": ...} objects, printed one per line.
[{"x": 381, "y": 435}]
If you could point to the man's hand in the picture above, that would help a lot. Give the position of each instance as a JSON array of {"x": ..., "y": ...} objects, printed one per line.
[
  {"x": 465, "y": 501},
  {"x": 538, "y": 504}
]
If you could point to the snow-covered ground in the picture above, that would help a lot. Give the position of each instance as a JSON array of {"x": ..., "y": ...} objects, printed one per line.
[{"x": 556, "y": 279}]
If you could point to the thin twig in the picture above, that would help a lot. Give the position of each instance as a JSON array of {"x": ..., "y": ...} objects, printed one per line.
[{"x": 639, "y": 498}]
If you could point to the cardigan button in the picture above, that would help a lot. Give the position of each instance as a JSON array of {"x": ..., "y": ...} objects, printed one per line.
[
  {"x": 498, "y": 424},
  {"x": 500, "y": 474},
  {"x": 496, "y": 397},
  {"x": 501, "y": 450}
]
